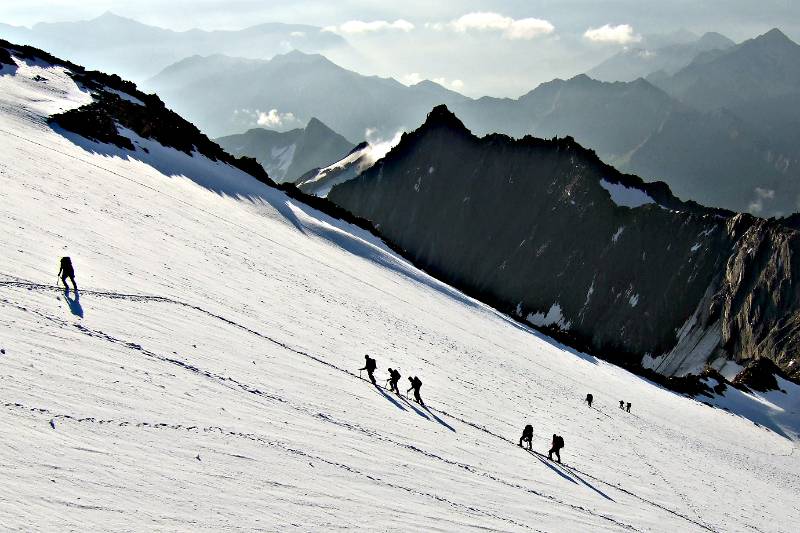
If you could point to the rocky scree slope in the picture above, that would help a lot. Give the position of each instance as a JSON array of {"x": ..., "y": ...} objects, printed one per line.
[{"x": 544, "y": 230}]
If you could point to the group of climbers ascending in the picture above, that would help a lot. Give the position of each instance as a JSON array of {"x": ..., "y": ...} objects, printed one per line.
[
  {"x": 558, "y": 440},
  {"x": 67, "y": 271},
  {"x": 394, "y": 377},
  {"x": 555, "y": 448}
]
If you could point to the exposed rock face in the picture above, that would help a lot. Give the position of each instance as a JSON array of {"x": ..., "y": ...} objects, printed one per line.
[
  {"x": 5, "y": 58},
  {"x": 543, "y": 230}
]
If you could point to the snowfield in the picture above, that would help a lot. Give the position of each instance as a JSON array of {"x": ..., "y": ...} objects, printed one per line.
[{"x": 205, "y": 378}]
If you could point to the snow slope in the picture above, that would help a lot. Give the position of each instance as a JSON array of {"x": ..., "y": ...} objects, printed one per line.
[{"x": 205, "y": 378}]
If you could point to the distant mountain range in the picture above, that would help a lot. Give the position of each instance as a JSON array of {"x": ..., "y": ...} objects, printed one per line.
[
  {"x": 757, "y": 80},
  {"x": 642, "y": 61},
  {"x": 288, "y": 155},
  {"x": 225, "y": 95},
  {"x": 741, "y": 154},
  {"x": 137, "y": 51},
  {"x": 712, "y": 157}
]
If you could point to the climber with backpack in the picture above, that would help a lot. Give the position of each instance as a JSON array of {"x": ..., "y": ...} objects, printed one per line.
[
  {"x": 589, "y": 399},
  {"x": 527, "y": 436},
  {"x": 558, "y": 443},
  {"x": 394, "y": 378},
  {"x": 416, "y": 385},
  {"x": 370, "y": 367}
]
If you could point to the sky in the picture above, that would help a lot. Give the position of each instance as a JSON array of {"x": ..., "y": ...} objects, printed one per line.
[{"x": 498, "y": 48}]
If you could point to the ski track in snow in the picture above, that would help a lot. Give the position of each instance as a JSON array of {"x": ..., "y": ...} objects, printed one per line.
[
  {"x": 260, "y": 393},
  {"x": 216, "y": 391}
]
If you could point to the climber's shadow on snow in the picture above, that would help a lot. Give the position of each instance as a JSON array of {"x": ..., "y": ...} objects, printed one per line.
[
  {"x": 214, "y": 176},
  {"x": 546, "y": 462},
  {"x": 389, "y": 397},
  {"x": 74, "y": 302},
  {"x": 413, "y": 408},
  {"x": 568, "y": 473},
  {"x": 437, "y": 419}
]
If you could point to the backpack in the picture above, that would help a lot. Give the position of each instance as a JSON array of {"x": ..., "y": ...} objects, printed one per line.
[
  {"x": 559, "y": 442},
  {"x": 395, "y": 375},
  {"x": 371, "y": 364},
  {"x": 66, "y": 264},
  {"x": 528, "y": 430}
]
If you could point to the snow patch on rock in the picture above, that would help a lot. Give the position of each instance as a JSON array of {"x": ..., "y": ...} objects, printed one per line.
[
  {"x": 626, "y": 196},
  {"x": 553, "y": 317}
]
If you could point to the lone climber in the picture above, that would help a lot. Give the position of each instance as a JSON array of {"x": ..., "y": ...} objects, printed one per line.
[{"x": 67, "y": 271}]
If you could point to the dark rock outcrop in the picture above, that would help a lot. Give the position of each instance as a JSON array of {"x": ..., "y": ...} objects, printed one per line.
[
  {"x": 5, "y": 58},
  {"x": 545, "y": 231},
  {"x": 758, "y": 375}
]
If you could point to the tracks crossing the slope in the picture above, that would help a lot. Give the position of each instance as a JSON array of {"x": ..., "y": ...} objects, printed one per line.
[{"x": 19, "y": 283}]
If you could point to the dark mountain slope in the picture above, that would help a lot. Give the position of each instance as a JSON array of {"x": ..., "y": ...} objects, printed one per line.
[{"x": 541, "y": 230}]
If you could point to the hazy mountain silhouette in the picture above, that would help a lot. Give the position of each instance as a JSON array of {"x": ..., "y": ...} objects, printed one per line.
[
  {"x": 288, "y": 155},
  {"x": 641, "y": 61},
  {"x": 714, "y": 157},
  {"x": 135, "y": 50},
  {"x": 741, "y": 158},
  {"x": 224, "y": 95},
  {"x": 765, "y": 67}
]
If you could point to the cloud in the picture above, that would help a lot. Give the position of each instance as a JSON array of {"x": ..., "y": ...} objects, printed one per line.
[
  {"x": 412, "y": 78},
  {"x": 454, "y": 84},
  {"x": 274, "y": 119},
  {"x": 484, "y": 21},
  {"x": 757, "y": 205},
  {"x": 298, "y": 34},
  {"x": 620, "y": 34},
  {"x": 352, "y": 27},
  {"x": 378, "y": 147}
]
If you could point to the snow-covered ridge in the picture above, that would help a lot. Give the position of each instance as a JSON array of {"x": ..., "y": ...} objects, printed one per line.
[{"x": 205, "y": 377}]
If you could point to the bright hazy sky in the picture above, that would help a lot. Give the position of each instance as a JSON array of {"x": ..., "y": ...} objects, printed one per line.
[{"x": 500, "y": 47}]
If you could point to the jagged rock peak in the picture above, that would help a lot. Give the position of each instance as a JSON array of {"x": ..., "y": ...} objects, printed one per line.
[{"x": 441, "y": 116}]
